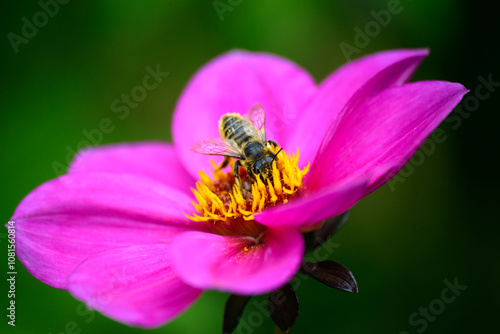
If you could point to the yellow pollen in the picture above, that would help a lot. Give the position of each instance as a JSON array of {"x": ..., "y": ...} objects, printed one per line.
[{"x": 221, "y": 202}]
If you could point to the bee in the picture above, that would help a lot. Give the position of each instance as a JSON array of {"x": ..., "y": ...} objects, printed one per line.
[{"x": 242, "y": 137}]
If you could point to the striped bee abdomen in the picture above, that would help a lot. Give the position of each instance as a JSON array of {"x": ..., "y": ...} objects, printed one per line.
[{"x": 235, "y": 128}]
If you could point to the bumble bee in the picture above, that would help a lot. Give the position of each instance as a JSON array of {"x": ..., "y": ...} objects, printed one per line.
[{"x": 242, "y": 138}]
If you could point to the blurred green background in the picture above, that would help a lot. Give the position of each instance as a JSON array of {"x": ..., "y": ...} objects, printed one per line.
[{"x": 401, "y": 242}]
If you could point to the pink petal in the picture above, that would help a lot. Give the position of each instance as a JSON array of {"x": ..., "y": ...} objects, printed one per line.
[
  {"x": 155, "y": 160},
  {"x": 234, "y": 82},
  {"x": 385, "y": 130},
  {"x": 237, "y": 264},
  {"x": 134, "y": 285},
  {"x": 336, "y": 90},
  {"x": 314, "y": 207},
  {"x": 64, "y": 221}
]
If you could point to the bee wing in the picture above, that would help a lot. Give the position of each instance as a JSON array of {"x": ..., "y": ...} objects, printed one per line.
[
  {"x": 257, "y": 117},
  {"x": 217, "y": 146}
]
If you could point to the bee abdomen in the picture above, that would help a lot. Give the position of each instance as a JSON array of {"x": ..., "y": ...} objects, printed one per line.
[
  {"x": 234, "y": 129},
  {"x": 240, "y": 137}
]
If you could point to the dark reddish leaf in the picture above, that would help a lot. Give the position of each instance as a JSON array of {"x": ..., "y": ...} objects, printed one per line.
[
  {"x": 329, "y": 228},
  {"x": 235, "y": 306},
  {"x": 283, "y": 307},
  {"x": 332, "y": 274}
]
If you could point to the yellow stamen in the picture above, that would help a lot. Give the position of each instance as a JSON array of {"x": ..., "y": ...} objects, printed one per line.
[
  {"x": 221, "y": 202},
  {"x": 276, "y": 180},
  {"x": 206, "y": 180},
  {"x": 256, "y": 197},
  {"x": 271, "y": 192}
]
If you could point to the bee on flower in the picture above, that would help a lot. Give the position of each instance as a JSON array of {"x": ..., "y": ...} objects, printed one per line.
[{"x": 243, "y": 138}]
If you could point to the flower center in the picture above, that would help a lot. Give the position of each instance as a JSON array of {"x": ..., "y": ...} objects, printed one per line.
[{"x": 230, "y": 210}]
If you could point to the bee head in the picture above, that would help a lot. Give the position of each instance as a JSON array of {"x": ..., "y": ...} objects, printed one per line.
[{"x": 263, "y": 166}]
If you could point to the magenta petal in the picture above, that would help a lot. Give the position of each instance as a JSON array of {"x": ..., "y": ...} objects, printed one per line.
[
  {"x": 385, "y": 130},
  {"x": 234, "y": 82},
  {"x": 64, "y": 221},
  {"x": 314, "y": 207},
  {"x": 336, "y": 90},
  {"x": 134, "y": 285},
  {"x": 155, "y": 160},
  {"x": 236, "y": 264}
]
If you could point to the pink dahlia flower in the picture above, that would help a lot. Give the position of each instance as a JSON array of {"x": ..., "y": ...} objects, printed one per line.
[{"x": 123, "y": 231}]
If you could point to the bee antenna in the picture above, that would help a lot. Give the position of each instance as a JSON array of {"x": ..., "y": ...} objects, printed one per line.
[{"x": 276, "y": 155}]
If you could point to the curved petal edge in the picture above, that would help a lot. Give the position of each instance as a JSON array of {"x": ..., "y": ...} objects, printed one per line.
[
  {"x": 134, "y": 285},
  {"x": 240, "y": 265}
]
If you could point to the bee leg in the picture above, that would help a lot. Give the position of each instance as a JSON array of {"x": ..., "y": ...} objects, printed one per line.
[
  {"x": 236, "y": 171},
  {"x": 273, "y": 143},
  {"x": 224, "y": 163}
]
